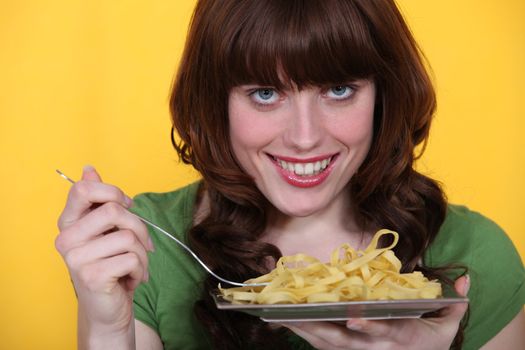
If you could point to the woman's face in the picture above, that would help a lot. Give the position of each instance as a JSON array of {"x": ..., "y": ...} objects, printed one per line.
[{"x": 302, "y": 147}]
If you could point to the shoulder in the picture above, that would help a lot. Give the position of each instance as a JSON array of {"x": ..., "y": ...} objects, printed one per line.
[
  {"x": 464, "y": 236},
  {"x": 469, "y": 239},
  {"x": 180, "y": 201},
  {"x": 173, "y": 212}
]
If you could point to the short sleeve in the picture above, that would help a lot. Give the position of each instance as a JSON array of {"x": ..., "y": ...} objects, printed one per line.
[
  {"x": 498, "y": 274},
  {"x": 146, "y": 294},
  {"x": 166, "y": 301},
  {"x": 497, "y": 293},
  {"x": 144, "y": 306}
]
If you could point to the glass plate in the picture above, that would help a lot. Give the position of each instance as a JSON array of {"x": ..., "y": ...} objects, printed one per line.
[{"x": 341, "y": 311}]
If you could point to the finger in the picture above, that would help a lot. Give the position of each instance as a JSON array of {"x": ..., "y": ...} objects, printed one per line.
[
  {"x": 449, "y": 318},
  {"x": 397, "y": 329},
  {"x": 107, "y": 246},
  {"x": 456, "y": 311},
  {"x": 327, "y": 335},
  {"x": 462, "y": 285},
  {"x": 372, "y": 328},
  {"x": 90, "y": 173},
  {"x": 99, "y": 221},
  {"x": 312, "y": 339},
  {"x": 390, "y": 330},
  {"x": 84, "y": 194},
  {"x": 104, "y": 275}
]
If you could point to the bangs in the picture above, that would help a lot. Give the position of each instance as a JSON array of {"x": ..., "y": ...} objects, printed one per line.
[{"x": 299, "y": 42}]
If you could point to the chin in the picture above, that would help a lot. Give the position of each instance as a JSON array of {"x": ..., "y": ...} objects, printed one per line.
[
  {"x": 294, "y": 202},
  {"x": 298, "y": 211}
]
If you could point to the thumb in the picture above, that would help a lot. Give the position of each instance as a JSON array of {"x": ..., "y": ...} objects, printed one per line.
[
  {"x": 462, "y": 285},
  {"x": 89, "y": 173}
]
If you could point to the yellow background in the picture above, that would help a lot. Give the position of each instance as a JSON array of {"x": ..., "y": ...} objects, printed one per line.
[{"x": 86, "y": 82}]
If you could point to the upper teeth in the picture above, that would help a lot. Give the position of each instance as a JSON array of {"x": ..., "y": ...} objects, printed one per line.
[{"x": 305, "y": 168}]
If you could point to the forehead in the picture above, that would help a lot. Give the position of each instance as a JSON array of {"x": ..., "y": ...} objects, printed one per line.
[{"x": 299, "y": 43}]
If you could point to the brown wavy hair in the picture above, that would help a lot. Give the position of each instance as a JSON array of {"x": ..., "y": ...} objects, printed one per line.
[{"x": 309, "y": 43}]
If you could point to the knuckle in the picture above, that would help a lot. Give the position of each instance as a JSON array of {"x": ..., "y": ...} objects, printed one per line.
[
  {"x": 112, "y": 210},
  {"x": 81, "y": 188},
  {"x": 62, "y": 242},
  {"x": 128, "y": 237},
  {"x": 72, "y": 259},
  {"x": 140, "y": 230},
  {"x": 86, "y": 276},
  {"x": 114, "y": 194},
  {"x": 133, "y": 260},
  {"x": 60, "y": 222},
  {"x": 117, "y": 193},
  {"x": 59, "y": 244}
]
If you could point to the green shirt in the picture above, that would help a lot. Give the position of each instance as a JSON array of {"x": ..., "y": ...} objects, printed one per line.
[{"x": 165, "y": 303}]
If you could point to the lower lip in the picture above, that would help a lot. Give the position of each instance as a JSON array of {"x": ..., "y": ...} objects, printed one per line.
[{"x": 305, "y": 181}]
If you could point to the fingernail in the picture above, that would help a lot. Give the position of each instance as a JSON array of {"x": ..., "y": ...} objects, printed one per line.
[
  {"x": 128, "y": 202},
  {"x": 355, "y": 326},
  {"x": 88, "y": 167},
  {"x": 467, "y": 285},
  {"x": 150, "y": 245}
]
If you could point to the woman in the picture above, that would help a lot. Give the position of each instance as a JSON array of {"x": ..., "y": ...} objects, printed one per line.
[{"x": 302, "y": 117}]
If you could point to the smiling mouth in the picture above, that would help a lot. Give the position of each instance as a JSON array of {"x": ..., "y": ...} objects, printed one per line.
[{"x": 304, "y": 168}]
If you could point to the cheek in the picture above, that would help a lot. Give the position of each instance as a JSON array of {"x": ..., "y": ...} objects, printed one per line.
[
  {"x": 361, "y": 121},
  {"x": 239, "y": 126},
  {"x": 249, "y": 130},
  {"x": 355, "y": 130},
  {"x": 242, "y": 133},
  {"x": 249, "y": 134}
]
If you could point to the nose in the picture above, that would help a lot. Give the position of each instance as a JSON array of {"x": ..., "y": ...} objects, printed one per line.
[{"x": 304, "y": 128}]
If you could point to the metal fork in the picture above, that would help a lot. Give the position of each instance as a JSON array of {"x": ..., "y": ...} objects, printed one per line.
[{"x": 191, "y": 252}]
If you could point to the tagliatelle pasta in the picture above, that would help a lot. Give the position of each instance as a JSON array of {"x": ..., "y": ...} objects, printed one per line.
[{"x": 372, "y": 274}]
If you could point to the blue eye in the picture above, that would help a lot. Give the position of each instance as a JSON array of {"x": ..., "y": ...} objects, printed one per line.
[
  {"x": 265, "y": 96},
  {"x": 340, "y": 92}
]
